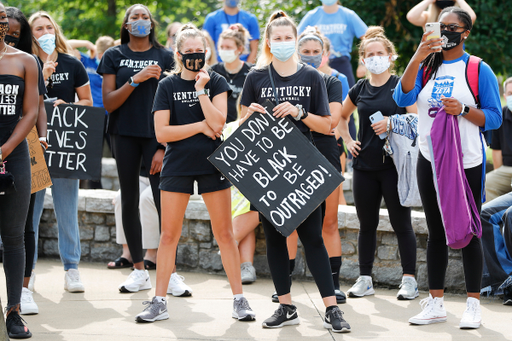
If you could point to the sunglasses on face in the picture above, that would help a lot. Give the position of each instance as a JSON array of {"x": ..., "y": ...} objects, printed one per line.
[{"x": 450, "y": 27}]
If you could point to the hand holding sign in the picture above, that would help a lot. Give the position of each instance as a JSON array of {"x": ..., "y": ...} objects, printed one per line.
[{"x": 276, "y": 168}]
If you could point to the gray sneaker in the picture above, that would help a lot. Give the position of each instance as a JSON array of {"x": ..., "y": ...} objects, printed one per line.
[
  {"x": 248, "y": 273},
  {"x": 155, "y": 311},
  {"x": 242, "y": 311}
]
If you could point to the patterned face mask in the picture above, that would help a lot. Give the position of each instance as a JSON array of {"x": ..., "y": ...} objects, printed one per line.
[
  {"x": 4, "y": 28},
  {"x": 377, "y": 64}
]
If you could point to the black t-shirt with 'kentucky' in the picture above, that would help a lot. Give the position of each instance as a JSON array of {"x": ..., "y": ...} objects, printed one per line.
[
  {"x": 189, "y": 156},
  {"x": 133, "y": 117}
]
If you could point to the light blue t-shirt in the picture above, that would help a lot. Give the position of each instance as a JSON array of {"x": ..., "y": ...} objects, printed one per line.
[
  {"x": 340, "y": 27},
  {"x": 344, "y": 82},
  {"x": 218, "y": 21}
]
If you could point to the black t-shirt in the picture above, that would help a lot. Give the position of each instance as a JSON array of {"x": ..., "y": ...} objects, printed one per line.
[
  {"x": 305, "y": 87},
  {"x": 40, "y": 84},
  {"x": 334, "y": 94},
  {"x": 133, "y": 117},
  {"x": 236, "y": 83},
  {"x": 69, "y": 75},
  {"x": 189, "y": 156},
  {"x": 501, "y": 137},
  {"x": 370, "y": 99}
]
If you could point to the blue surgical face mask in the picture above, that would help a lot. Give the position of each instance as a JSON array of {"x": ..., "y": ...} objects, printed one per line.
[
  {"x": 232, "y": 3},
  {"x": 329, "y": 2},
  {"x": 140, "y": 28},
  {"x": 47, "y": 43},
  {"x": 313, "y": 61},
  {"x": 509, "y": 102},
  {"x": 283, "y": 51}
]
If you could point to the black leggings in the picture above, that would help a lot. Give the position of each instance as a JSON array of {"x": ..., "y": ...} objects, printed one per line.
[
  {"x": 437, "y": 250},
  {"x": 13, "y": 214},
  {"x": 369, "y": 188},
  {"x": 129, "y": 153},
  {"x": 30, "y": 239},
  {"x": 310, "y": 234}
]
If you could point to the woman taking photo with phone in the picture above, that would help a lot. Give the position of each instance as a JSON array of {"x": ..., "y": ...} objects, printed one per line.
[
  {"x": 375, "y": 175},
  {"x": 19, "y": 85},
  {"x": 308, "y": 111},
  {"x": 431, "y": 72},
  {"x": 190, "y": 111},
  {"x": 131, "y": 72}
]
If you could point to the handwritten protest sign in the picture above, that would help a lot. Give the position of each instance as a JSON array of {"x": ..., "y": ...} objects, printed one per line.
[
  {"x": 75, "y": 141},
  {"x": 277, "y": 169},
  {"x": 40, "y": 175}
]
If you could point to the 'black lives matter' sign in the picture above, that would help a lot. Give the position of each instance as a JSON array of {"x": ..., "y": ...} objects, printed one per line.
[
  {"x": 277, "y": 169},
  {"x": 75, "y": 141}
]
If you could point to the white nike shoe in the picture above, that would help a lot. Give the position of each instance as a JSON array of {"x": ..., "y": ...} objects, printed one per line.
[
  {"x": 362, "y": 287},
  {"x": 137, "y": 280}
]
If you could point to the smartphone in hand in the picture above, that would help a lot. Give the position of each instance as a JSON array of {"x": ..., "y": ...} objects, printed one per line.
[
  {"x": 436, "y": 27},
  {"x": 376, "y": 118}
]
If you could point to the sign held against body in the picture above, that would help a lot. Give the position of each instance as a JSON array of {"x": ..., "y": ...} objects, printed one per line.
[
  {"x": 277, "y": 169},
  {"x": 75, "y": 141}
]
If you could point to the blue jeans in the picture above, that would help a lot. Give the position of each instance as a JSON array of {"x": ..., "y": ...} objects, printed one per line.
[{"x": 65, "y": 203}]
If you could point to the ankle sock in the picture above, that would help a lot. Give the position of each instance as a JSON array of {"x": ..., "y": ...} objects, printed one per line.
[
  {"x": 329, "y": 308},
  {"x": 238, "y": 296},
  {"x": 161, "y": 299}
]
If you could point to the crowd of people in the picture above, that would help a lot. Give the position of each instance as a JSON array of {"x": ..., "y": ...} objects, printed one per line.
[{"x": 169, "y": 107}]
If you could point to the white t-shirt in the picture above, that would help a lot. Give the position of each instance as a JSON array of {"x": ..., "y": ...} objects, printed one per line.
[{"x": 451, "y": 82}]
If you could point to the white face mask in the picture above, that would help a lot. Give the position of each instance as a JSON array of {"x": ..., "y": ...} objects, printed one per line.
[
  {"x": 377, "y": 64},
  {"x": 227, "y": 56},
  {"x": 208, "y": 54}
]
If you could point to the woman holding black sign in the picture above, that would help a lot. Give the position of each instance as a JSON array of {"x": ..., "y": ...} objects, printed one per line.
[
  {"x": 190, "y": 112},
  {"x": 309, "y": 110},
  {"x": 375, "y": 175},
  {"x": 18, "y": 85},
  {"x": 66, "y": 78},
  {"x": 131, "y": 72}
]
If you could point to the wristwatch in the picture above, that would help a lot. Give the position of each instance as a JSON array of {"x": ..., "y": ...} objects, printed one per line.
[
  {"x": 132, "y": 83},
  {"x": 465, "y": 110},
  {"x": 202, "y": 92},
  {"x": 302, "y": 113}
]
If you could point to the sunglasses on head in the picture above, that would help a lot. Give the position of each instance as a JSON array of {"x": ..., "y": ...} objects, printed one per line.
[{"x": 450, "y": 27}]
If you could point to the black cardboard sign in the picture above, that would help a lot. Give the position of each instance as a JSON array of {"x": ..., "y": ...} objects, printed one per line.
[
  {"x": 75, "y": 141},
  {"x": 277, "y": 169}
]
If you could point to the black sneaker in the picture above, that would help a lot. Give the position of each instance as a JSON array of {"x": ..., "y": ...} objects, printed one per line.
[
  {"x": 285, "y": 315},
  {"x": 340, "y": 296},
  {"x": 16, "y": 326},
  {"x": 275, "y": 299},
  {"x": 507, "y": 296},
  {"x": 334, "y": 321}
]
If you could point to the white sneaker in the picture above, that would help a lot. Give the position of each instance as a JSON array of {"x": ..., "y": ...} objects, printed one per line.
[
  {"x": 248, "y": 273},
  {"x": 362, "y": 287},
  {"x": 32, "y": 281},
  {"x": 177, "y": 286},
  {"x": 472, "y": 317},
  {"x": 72, "y": 282},
  {"x": 137, "y": 280},
  {"x": 27, "y": 304},
  {"x": 433, "y": 311},
  {"x": 408, "y": 289}
]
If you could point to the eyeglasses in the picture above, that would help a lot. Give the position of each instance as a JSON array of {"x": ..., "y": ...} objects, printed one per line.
[{"x": 450, "y": 27}]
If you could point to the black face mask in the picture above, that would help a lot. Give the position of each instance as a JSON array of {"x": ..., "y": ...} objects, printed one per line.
[
  {"x": 452, "y": 40},
  {"x": 194, "y": 61},
  {"x": 443, "y": 4},
  {"x": 4, "y": 28},
  {"x": 11, "y": 41}
]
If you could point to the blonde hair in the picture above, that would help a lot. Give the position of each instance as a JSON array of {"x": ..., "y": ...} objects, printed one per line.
[
  {"x": 61, "y": 44},
  {"x": 103, "y": 44},
  {"x": 211, "y": 48},
  {"x": 185, "y": 32},
  {"x": 278, "y": 18},
  {"x": 238, "y": 34},
  {"x": 376, "y": 34},
  {"x": 169, "y": 29}
]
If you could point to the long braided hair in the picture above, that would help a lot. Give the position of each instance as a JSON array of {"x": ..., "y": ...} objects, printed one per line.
[{"x": 434, "y": 60}]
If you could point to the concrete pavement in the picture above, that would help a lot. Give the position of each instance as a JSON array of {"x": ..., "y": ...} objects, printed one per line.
[{"x": 102, "y": 313}]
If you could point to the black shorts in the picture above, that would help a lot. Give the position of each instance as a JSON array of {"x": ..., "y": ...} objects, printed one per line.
[{"x": 185, "y": 184}]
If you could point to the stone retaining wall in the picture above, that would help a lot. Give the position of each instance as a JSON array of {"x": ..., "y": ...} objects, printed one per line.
[{"x": 198, "y": 250}]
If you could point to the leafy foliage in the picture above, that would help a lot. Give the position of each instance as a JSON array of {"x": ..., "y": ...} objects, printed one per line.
[{"x": 88, "y": 19}]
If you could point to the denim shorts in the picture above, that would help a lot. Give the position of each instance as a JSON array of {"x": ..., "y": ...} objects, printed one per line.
[{"x": 185, "y": 184}]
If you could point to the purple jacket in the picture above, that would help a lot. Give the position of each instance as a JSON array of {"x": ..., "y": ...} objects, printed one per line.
[{"x": 458, "y": 209}]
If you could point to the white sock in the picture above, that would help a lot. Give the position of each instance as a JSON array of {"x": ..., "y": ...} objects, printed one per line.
[
  {"x": 142, "y": 270},
  {"x": 238, "y": 296},
  {"x": 367, "y": 277},
  {"x": 161, "y": 299}
]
